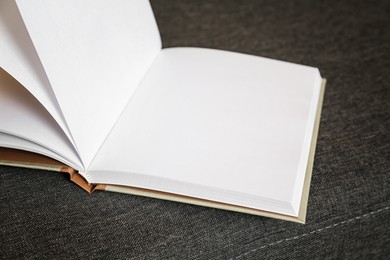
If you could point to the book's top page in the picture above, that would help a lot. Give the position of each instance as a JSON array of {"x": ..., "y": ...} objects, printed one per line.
[
  {"x": 95, "y": 53},
  {"x": 216, "y": 125}
]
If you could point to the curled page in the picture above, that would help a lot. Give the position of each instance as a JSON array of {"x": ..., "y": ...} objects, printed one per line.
[
  {"x": 23, "y": 116},
  {"x": 95, "y": 53},
  {"x": 19, "y": 58}
]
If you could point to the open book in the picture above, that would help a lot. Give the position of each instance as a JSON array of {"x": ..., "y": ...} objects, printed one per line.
[{"x": 87, "y": 84}]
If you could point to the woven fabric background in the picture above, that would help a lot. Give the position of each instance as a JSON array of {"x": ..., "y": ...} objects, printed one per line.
[{"x": 43, "y": 215}]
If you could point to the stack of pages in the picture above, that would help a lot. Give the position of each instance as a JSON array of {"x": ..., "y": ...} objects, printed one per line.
[{"x": 87, "y": 84}]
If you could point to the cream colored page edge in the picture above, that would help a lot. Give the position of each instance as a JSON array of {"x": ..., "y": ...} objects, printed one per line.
[
  {"x": 309, "y": 169},
  {"x": 31, "y": 166}
]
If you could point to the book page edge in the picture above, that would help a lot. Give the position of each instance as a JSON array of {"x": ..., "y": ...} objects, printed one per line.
[{"x": 309, "y": 169}]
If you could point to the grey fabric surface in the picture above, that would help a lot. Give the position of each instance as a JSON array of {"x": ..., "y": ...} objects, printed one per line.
[{"x": 43, "y": 215}]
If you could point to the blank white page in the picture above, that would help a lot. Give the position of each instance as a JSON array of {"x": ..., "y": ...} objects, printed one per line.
[
  {"x": 23, "y": 116},
  {"x": 19, "y": 58},
  {"x": 216, "y": 125},
  {"x": 95, "y": 53}
]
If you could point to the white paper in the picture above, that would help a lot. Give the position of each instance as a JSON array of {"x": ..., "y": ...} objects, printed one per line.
[
  {"x": 19, "y": 58},
  {"x": 216, "y": 125},
  {"x": 23, "y": 116},
  {"x": 95, "y": 53}
]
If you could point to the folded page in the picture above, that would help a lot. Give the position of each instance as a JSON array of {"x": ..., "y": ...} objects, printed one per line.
[
  {"x": 21, "y": 115},
  {"x": 19, "y": 58},
  {"x": 95, "y": 53}
]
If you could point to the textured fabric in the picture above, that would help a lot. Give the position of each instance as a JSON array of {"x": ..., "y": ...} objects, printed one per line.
[{"x": 43, "y": 215}]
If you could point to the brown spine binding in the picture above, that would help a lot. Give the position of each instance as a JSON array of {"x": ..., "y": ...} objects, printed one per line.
[
  {"x": 19, "y": 158},
  {"x": 101, "y": 187},
  {"x": 76, "y": 178}
]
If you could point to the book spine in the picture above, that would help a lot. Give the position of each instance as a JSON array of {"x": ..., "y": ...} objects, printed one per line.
[
  {"x": 79, "y": 180},
  {"x": 24, "y": 159}
]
